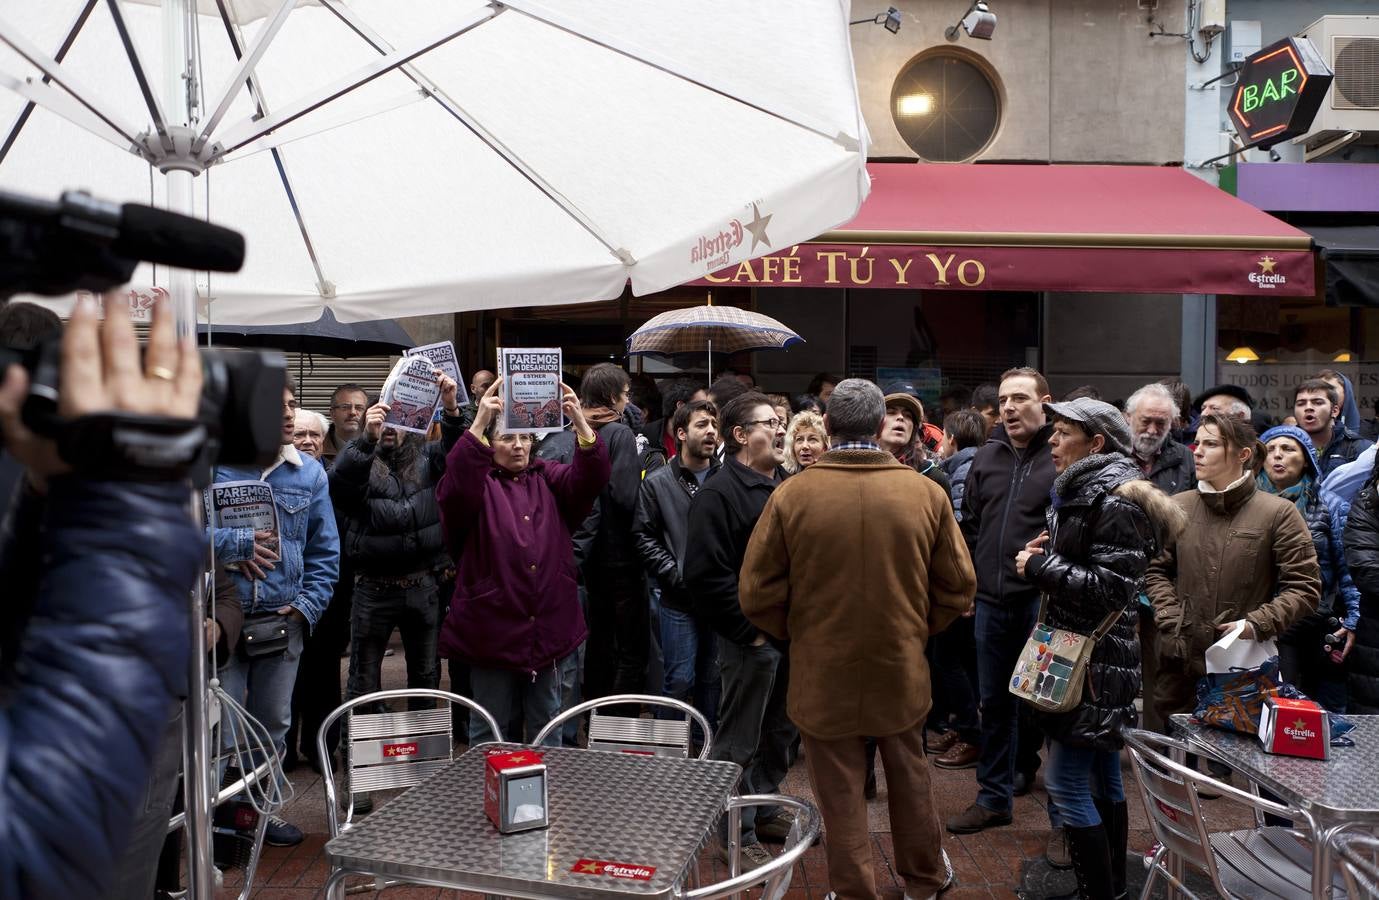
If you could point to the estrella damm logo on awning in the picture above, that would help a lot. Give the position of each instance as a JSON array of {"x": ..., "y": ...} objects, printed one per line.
[{"x": 1266, "y": 278}]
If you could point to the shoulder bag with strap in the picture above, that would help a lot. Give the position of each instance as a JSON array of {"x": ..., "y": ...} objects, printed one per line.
[{"x": 1052, "y": 667}]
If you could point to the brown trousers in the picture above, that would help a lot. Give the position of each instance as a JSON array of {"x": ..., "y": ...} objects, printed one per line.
[
  {"x": 1175, "y": 687},
  {"x": 837, "y": 771}
]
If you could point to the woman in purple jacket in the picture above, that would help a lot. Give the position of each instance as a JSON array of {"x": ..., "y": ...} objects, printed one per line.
[{"x": 515, "y": 617}]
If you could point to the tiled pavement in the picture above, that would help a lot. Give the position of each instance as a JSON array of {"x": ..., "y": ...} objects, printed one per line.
[{"x": 986, "y": 865}]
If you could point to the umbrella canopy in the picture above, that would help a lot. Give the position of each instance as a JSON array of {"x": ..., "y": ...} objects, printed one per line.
[
  {"x": 387, "y": 158},
  {"x": 324, "y": 337},
  {"x": 716, "y": 329}
]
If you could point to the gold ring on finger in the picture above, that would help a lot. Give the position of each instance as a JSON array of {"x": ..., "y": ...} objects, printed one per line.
[{"x": 161, "y": 372}]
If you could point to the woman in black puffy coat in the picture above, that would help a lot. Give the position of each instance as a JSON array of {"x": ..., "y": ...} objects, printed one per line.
[
  {"x": 1362, "y": 558},
  {"x": 1105, "y": 524}
]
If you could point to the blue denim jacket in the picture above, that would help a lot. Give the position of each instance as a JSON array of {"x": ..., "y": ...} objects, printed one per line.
[{"x": 308, "y": 545}]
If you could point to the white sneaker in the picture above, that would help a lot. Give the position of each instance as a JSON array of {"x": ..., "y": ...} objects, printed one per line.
[
  {"x": 1150, "y": 854},
  {"x": 947, "y": 877}
]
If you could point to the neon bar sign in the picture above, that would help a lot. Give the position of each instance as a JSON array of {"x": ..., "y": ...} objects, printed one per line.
[{"x": 1278, "y": 92}]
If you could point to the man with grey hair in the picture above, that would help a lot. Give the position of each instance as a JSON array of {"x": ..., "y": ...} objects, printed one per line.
[
  {"x": 309, "y": 435},
  {"x": 1150, "y": 413},
  {"x": 857, "y": 625}
]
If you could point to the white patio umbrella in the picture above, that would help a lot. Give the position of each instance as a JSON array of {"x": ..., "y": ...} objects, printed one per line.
[{"x": 390, "y": 158}]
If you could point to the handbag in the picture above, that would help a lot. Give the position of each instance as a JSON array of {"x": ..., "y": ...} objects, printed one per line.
[
  {"x": 1052, "y": 667},
  {"x": 263, "y": 635}
]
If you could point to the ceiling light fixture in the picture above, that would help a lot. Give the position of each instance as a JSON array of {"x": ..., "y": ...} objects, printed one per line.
[
  {"x": 979, "y": 22},
  {"x": 1242, "y": 355},
  {"x": 890, "y": 19}
]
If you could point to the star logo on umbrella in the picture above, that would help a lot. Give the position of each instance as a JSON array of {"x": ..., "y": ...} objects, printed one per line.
[
  {"x": 1266, "y": 264},
  {"x": 758, "y": 227},
  {"x": 590, "y": 868}
]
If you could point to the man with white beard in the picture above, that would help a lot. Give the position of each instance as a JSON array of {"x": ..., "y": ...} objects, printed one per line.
[{"x": 1151, "y": 412}]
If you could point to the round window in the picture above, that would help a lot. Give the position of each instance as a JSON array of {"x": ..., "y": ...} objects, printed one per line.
[{"x": 945, "y": 106}]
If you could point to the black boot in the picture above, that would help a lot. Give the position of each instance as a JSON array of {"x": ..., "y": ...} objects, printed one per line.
[
  {"x": 1091, "y": 862},
  {"x": 1115, "y": 818}
]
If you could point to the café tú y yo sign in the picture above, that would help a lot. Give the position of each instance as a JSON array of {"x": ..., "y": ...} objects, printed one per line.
[{"x": 1278, "y": 92}]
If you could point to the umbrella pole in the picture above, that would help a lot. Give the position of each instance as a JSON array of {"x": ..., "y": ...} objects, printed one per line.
[
  {"x": 710, "y": 362},
  {"x": 178, "y": 18}
]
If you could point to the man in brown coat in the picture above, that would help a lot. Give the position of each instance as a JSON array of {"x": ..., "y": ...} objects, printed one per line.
[{"x": 856, "y": 561}]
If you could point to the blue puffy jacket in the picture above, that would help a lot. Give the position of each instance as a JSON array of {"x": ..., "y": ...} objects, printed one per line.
[{"x": 102, "y": 661}]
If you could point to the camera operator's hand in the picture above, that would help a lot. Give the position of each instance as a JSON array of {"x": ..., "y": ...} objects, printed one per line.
[
  {"x": 101, "y": 371},
  {"x": 373, "y": 420},
  {"x": 36, "y": 454}
]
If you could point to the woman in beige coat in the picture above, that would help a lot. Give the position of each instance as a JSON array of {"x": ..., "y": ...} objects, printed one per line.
[{"x": 1244, "y": 555}]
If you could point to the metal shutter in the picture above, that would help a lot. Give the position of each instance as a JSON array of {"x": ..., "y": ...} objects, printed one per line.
[{"x": 319, "y": 376}]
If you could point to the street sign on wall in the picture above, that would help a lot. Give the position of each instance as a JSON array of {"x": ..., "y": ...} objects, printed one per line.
[{"x": 1278, "y": 92}]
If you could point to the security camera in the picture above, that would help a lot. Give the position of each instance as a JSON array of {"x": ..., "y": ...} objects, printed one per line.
[{"x": 979, "y": 22}]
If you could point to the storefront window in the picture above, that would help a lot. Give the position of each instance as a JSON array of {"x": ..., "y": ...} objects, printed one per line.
[
  {"x": 940, "y": 340},
  {"x": 1269, "y": 346}
]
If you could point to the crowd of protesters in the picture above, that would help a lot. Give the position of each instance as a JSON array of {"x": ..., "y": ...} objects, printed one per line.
[{"x": 840, "y": 575}]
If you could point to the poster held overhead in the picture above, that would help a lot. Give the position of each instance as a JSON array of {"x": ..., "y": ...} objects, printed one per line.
[
  {"x": 411, "y": 394},
  {"x": 531, "y": 390},
  {"x": 442, "y": 355}
]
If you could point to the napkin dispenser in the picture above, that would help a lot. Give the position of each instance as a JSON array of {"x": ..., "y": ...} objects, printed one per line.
[
  {"x": 515, "y": 797},
  {"x": 1295, "y": 728}
]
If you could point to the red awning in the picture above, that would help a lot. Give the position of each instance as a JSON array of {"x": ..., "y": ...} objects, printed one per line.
[{"x": 1120, "y": 229}]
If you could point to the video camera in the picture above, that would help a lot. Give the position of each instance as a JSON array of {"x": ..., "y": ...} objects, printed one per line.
[{"x": 80, "y": 243}]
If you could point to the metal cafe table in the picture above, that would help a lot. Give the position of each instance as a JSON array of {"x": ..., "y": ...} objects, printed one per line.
[
  {"x": 1338, "y": 793},
  {"x": 620, "y": 826}
]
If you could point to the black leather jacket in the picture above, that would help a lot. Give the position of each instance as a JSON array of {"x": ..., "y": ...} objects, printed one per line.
[
  {"x": 390, "y": 525},
  {"x": 1103, "y": 535},
  {"x": 661, "y": 527}
]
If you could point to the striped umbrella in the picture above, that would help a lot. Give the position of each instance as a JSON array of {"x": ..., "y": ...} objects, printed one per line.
[{"x": 704, "y": 329}]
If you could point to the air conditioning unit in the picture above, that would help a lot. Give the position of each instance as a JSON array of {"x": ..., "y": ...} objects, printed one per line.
[{"x": 1350, "y": 112}]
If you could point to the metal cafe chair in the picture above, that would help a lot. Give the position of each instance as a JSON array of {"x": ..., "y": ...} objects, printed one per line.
[
  {"x": 391, "y": 750},
  {"x": 775, "y": 875},
  {"x": 629, "y": 734},
  {"x": 1357, "y": 856},
  {"x": 1255, "y": 864}
]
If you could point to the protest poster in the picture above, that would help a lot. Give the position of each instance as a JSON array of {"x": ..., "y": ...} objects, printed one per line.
[
  {"x": 242, "y": 504},
  {"x": 531, "y": 390},
  {"x": 443, "y": 357},
  {"x": 411, "y": 394}
]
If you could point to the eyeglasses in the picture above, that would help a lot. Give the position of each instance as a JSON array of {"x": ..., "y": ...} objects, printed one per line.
[
  {"x": 349, "y": 407},
  {"x": 772, "y": 424},
  {"x": 292, "y": 405}
]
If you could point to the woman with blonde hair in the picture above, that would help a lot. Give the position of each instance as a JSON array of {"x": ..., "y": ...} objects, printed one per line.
[{"x": 805, "y": 441}]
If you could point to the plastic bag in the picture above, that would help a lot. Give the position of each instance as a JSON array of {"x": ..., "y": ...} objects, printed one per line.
[
  {"x": 1234, "y": 700},
  {"x": 1235, "y": 652}
]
